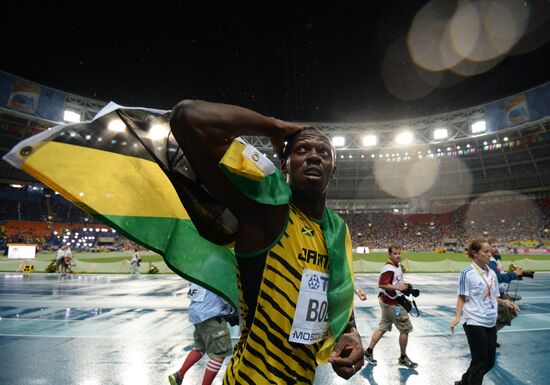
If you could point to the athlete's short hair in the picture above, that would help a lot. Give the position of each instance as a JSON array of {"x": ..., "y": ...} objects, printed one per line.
[{"x": 292, "y": 139}]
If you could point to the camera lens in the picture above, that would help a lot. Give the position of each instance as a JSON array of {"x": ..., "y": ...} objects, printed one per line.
[{"x": 529, "y": 274}]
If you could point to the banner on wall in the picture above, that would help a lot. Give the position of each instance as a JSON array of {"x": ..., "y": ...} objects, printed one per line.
[
  {"x": 516, "y": 110},
  {"x": 24, "y": 97},
  {"x": 528, "y": 106},
  {"x": 21, "y": 251},
  {"x": 527, "y": 250},
  {"x": 30, "y": 98}
]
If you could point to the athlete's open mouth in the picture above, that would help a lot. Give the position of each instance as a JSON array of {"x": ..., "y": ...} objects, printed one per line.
[{"x": 313, "y": 172}]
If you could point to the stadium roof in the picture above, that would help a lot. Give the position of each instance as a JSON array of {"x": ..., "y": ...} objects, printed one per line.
[
  {"x": 512, "y": 156},
  {"x": 296, "y": 60},
  {"x": 378, "y": 67}
]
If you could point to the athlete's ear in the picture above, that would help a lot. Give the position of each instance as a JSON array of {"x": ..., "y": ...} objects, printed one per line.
[
  {"x": 284, "y": 169},
  {"x": 333, "y": 174}
]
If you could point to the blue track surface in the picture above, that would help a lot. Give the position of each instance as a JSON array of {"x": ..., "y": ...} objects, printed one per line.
[{"x": 110, "y": 329}]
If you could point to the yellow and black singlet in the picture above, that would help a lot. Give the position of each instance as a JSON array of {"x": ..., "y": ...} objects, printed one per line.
[{"x": 285, "y": 312}]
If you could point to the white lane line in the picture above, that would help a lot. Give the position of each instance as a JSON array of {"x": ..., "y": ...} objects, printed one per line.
[
  {"x": 97, "y": 337},
  {"x": 98, "y": 303},
  {"x": 423, "y": 316},
  {"x": 179, "y": 339}
]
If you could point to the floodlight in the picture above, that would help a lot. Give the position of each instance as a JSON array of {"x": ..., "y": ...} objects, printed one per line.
[
  {"x": 404, "y": 137},
  {"x": 158, "y": 131},
  {"x": 370, "y": 140},
  {"x": 338, "y": 141},
  {"x": 478, "y": 127},
  {"x": 440, "y": 133},
  {"x": 116, "y": 125},
  {"x": 71, "y": 116}
]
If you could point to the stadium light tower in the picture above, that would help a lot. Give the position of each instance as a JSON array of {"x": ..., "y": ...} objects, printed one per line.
[
  {"x": 116, "y": 125},
  {"x": 370, "y": 140},
  {"x": 404, "y": 137},
  {"x": 440, "y": 133},
  {"x": 478, "y": 127},
  {"x": 71, "y": 116},
  {"x": 338, "y": 141},
  {"x": 158, "y": 131}
]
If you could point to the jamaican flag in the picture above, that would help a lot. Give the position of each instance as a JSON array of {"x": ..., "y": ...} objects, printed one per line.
[{"x": 125, "y": 168}]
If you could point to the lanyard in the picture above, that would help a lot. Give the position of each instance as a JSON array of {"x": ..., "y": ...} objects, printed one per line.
[{"x": 488, "y": 294}]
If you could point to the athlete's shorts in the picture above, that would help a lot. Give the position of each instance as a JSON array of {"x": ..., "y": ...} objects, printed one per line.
[
  {"x": 402, "y": 321},
  {"x": 213, "y": 337}
]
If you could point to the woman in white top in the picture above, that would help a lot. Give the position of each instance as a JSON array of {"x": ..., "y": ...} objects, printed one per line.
[{"x": 478, "y": 300}]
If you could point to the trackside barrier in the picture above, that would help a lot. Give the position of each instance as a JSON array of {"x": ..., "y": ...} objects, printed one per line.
[
  {"x": 532, "y": 264},
  {"x": 359, "y": 266},
  {"x": 118, "y": 267},
  {"x": 446, "y": 266}
]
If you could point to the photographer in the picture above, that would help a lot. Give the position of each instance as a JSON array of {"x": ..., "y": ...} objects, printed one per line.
[
  {"x": 503, "y": 278},
  {"x": 136, "y": 263},
  {"x": 392, "y": 285},
  {"x": 505, "y": 314},
  {"x": 209, "y": 314}
]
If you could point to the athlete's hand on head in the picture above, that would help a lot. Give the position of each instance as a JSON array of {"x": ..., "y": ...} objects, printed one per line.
[
  {"x": 286, "y": 129},
  {"x": 347, "y": 357}
]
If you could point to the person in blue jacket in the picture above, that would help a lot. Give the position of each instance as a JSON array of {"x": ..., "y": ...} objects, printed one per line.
[{"x": 505, "y": 313}]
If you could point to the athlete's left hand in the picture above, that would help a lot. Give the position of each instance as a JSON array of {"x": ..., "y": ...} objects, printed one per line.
[{"x": 347, "y": 357}]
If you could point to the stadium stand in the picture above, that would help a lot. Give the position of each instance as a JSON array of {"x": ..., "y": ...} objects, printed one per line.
[{"x": 493, "y": 181}]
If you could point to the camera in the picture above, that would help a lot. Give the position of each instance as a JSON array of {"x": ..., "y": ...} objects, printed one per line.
[
  {"x": 233, "y": 317},
  {"x": 411, "y": 291},
  {"x": 526, "y": 273}
]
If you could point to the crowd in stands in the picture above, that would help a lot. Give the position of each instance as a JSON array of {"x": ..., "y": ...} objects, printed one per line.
[
  {"x": 376, "y": 230},
  {"x": 507, "y": 221},
  {"x": 35, "y": 204},
  {"x": 79, "y": 238}
]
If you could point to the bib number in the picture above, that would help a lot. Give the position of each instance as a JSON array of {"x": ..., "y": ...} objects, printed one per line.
[{"x": 310, "y": 324}]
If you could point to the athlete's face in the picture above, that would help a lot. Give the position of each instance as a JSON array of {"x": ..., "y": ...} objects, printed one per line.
[
  {"x": 395, "y": 255},
  {"x": 310, "y": 163},
  {"x": 483, "y": 256}
]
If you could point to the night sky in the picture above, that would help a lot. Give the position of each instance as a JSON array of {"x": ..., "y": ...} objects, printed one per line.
[{"x": 301, "y": 61}]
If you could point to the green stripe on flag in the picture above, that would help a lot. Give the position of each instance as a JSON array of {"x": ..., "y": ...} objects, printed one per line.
[
  {"x": 340, "y": 286},
  {"x": 184, "y": 250}
]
